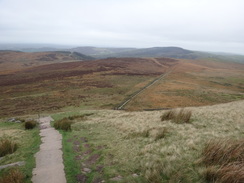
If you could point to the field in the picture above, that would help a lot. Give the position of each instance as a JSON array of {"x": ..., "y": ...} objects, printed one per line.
[{"x": 139, "y": 147}]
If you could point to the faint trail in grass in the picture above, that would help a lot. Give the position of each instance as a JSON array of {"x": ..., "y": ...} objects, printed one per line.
[{"x": 49, "y": 161}]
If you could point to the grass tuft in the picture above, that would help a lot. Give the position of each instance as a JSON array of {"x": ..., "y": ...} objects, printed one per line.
[
  {"x": 233, "y": 172},
  {"x": 169, "y": 115},
  {"x": 30, "y": 125},
  {"x": 220, "y": 152},
  {"x": 13, "y": 176},
  {"x": 63, "y": 124},
  {"x": 182, "y": 116},
  {"x": 7, "y": 146},
  {"x": 224, "y": 161}
]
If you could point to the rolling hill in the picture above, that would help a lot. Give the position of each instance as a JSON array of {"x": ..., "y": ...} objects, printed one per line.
[
  {"x": 15, "y": 60},
  {"x": 106, "y": 83},
  {"x": 106, "y": 52},
  {"x": 170, "y": 52}
]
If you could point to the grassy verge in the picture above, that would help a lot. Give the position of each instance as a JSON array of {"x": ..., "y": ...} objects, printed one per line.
[
  {"x": 71, "y": 168},
  {"x": 139, "y": 147},
  {"x": 28, "y": 144}
]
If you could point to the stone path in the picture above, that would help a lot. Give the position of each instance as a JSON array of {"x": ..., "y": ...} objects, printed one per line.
[{"x": 49, "y": 161}]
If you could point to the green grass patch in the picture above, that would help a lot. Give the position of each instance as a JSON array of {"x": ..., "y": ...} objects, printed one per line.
[
  {"x": 70, "y": 166},
  {"x": 28, "y": 144}
]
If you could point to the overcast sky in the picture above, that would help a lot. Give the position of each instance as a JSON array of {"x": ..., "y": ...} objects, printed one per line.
[{"x": 207, "y": 25}]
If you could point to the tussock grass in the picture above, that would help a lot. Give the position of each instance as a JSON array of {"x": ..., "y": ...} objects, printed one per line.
[
  {"x": 30, "y": 125},
  {"x": 7, "y": 146},
  {"x": 222, "y": 152},
  {"x": 224, "y": 160},
  {"x": 63, "y": 124},
  {"x": 138, "y": 142},
  {"x": 182, "y": 116},
  {"x": 12, "y": 176},
  {"x": 233, "y": 172}
]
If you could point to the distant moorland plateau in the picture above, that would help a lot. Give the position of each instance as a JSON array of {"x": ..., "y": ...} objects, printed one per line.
[{"x": 103, "y": 78}]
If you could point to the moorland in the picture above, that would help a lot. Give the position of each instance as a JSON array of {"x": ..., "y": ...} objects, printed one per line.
[{"x": 135, "y": 144}]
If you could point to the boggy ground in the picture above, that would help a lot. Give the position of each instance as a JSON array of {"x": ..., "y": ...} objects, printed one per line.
[{"x": 114, "y": 146}]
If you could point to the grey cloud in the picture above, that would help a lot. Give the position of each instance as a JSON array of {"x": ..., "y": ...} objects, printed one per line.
[{"x": 213, "y": 25}]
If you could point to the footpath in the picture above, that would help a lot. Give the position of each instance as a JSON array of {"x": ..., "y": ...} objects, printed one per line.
[{"x": 49, "y": 160}]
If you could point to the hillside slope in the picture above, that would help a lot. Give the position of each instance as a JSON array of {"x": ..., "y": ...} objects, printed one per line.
[
  {"x": 15, "y": 60},
  {"x": 139, "y": 147},
  {"x": 93, "y": 84}
]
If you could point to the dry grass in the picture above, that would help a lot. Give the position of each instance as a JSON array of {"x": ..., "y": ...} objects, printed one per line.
[
  {"x": 7, "y": 146},
  {"x": 233, "y": 172},
  {"x": 222, "y": 152},
  {"x": 224, "y": 160},
  {"x": 182, "y": 116},
  {"x": 12, "y": 176},
  {"x": 139, "y": 142},
  {"x": 153, "y": 169}
]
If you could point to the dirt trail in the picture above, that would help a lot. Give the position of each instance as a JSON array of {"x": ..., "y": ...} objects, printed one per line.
[
  {"x": 156, "y": 62},
  {"x": 49, "y": 161}
]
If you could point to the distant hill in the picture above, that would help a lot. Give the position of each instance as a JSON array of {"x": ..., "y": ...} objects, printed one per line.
[
  {"x": 34, "y": 47},
  {"x": 15, "y": 60},
  {"x": 170, "y": 52},
  {"x": 101, "y": 52},
  {"x": 108, "y": 52}
]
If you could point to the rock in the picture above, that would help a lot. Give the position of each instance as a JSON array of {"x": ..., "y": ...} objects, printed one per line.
[
  {"x": 118, "y": 178},
  {"x": 14, "y": 120},
  {"x": 135, "y": 175},
  {"x": 11, "y": 120},
  {"x": 20, "y": 163},
  {"x": 86, "y": 170}
]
